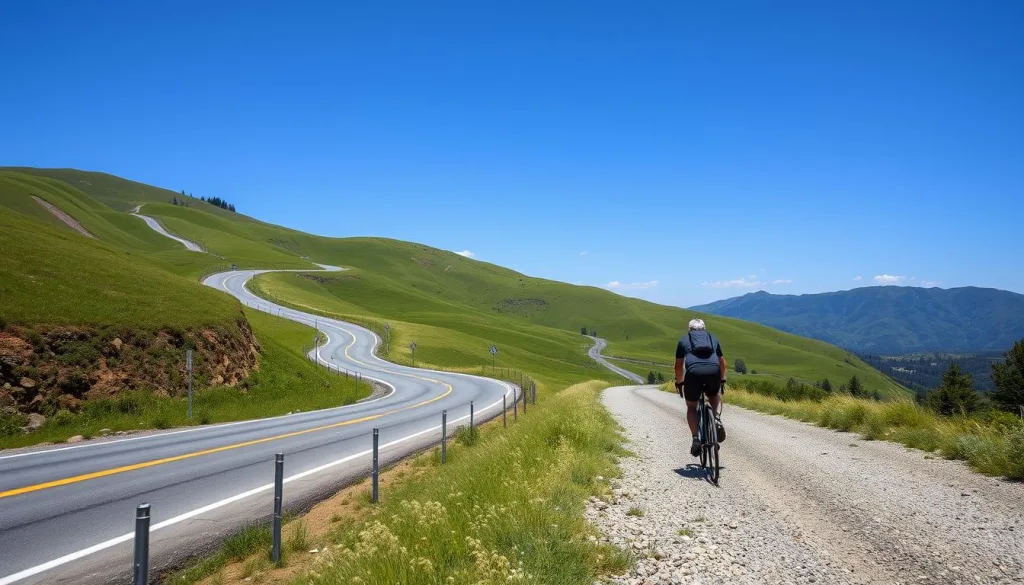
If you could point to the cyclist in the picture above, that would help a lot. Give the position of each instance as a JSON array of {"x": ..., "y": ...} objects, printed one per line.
[{"x": 700, "y": 367}]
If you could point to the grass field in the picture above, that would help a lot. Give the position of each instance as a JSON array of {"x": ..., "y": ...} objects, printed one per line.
[{"x": 285, "y": 382}]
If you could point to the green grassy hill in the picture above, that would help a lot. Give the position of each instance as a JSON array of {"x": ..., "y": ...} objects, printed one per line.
[{"x": 453, "y": 307}]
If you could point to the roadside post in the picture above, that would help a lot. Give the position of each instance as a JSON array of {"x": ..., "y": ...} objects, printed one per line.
[
  {"x": 188, "y": 365},
  {"x": 471, "y": 429},
  {"x": 141, "y": 570},
  {"x": 387, "y": 338},
  {"x": 504, "y": 412},
  {"x": 275, "y": 552},
  {"x": 533, "y": 392},
  {"x": 444, "y": 435},
  {"x": 375, "y": 495},
  {"x": 412, "y": 346},
  {"x": 515, "y": 407},
  {"x": 494, "y": 352},
  {"x": 525, "y": 394}
]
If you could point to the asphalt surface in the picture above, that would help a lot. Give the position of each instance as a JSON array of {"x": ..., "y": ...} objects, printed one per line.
[
  {"x": 67, "y": 513},
  {"x": 155, "y": 226},
  {"x": 595, "y": 354}
]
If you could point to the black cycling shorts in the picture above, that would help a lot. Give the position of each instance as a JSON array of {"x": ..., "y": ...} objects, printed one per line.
[{"x": 694, "y": 385}]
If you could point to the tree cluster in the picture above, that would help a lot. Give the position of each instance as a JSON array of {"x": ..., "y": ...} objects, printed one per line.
[
  {"x": 655, "y": 378},
  {"x": 219, "y": 203}
]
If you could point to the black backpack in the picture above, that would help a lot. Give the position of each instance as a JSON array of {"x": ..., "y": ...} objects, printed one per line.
[{"x": 702, "y": 344}]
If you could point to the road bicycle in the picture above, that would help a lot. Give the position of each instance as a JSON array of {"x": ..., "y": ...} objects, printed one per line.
[{"x": 707, "y": 434}]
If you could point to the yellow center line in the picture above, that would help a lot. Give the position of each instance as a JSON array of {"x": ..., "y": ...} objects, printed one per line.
[{"x": 155, "y": 462}]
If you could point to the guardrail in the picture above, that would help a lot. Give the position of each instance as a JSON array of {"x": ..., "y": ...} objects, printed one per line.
[{"x": 143, "y": 512}]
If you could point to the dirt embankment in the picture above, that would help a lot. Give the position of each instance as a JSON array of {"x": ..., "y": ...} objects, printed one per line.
[
  {"x": 44, "y": 369},
  {"x": 67, "y": 219}
]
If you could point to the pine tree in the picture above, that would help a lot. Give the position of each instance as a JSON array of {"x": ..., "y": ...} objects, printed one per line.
[
  {"x": 650, "y": 377},
  {"x": 826, "y": 385},
  {"x": 854, "y": 387},
  {"x": 1008, "y": 378},
  {"x": 956, "y": 394}
]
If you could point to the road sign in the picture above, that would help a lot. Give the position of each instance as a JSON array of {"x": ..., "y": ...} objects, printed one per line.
[
  {"x": 412, "y": 346},
  {"x": 494, "y": 350}
]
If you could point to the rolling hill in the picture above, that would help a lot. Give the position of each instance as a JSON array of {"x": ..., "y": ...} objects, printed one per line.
[
  {"x": 453, "y": 307},
  {"x": 890, "y": 319}
]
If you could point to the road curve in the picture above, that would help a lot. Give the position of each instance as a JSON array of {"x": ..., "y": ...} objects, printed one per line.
[
  {"x": 155, "y": 226},
  {"x": 66, "y": 514},
  {"x": 595, "y": 354}
]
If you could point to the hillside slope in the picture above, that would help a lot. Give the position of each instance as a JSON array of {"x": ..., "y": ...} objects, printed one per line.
[
  {"x": 890, "y": 319},
  {"x": 456, "y": 307}
]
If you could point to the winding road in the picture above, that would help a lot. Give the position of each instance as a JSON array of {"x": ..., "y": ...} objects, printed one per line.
[
  {"x": 67, "y": 513},
  {"x": 155, "y": 226},
  {"x": 595, "y": 354}
]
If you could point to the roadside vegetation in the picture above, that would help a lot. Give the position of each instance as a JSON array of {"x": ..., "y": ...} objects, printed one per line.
[
  {"x": 507, "y": 508},
  {"x": 954, "y": 420},
  {"x": 285, "y": 382}
]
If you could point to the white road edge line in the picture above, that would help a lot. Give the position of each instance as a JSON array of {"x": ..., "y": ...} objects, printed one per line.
[{"x": 31, "y": 571}]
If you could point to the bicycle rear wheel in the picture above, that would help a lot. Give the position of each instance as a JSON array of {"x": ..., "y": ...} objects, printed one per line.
[
  {"x": 711, "y": 446},
  {"x": 702, "y": 434}
]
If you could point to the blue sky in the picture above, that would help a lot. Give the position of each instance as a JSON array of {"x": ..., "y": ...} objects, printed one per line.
[{"x": 674, "y": 151}]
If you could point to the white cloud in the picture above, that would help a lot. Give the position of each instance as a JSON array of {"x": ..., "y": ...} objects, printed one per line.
[
  {"x": 889, "y": 279},
  {"x": 466, "y": 253},
  {"x": 584, "y": 253},
  {"x": 929, "y": 283},
  {"x": 752, "y": 277},
  {"x": 631, "y": 285},
  {"x": 858, "y": 278},
  {"x": 782, "y": 281},
  {"x": 737, "y": 283}
]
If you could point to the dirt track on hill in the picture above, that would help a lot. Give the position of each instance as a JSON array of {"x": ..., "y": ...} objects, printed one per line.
[
  {"x": 802, "y": 504},
  {"x": 67, "y": 219}
]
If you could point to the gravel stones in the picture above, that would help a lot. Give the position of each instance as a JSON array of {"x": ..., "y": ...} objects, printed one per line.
[{"x": 785, "y": 513}]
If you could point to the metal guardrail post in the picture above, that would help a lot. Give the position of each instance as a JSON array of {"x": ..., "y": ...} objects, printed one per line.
[
  {"x": 141, "y": 570},
  {"x": 504, "y": 412},
  {"x": 526, "y": 398},
  {"x": 444, "y": 435},
  {"x": 515, "y": 407},
  {"x": 471, "y": 429},
  {"x": 275, "y": 552},
  {"x": 533, "y": 393},
  {"x": 375, "y": 495}
]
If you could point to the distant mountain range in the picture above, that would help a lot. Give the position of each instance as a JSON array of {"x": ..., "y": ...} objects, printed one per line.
[{"x": 891, "y": 320}]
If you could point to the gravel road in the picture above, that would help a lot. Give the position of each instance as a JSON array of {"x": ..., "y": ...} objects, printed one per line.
[{"x": 801, "y": 504}]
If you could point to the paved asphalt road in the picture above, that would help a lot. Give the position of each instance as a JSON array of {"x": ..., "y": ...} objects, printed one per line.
[
  {"x": 155, "y": 226},
  {"x": 67, "y": 513},
  {"x": 595, "y": 354}
]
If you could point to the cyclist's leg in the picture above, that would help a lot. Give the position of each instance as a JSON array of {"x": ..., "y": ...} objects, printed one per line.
[
  {"x": 715, "y": 400},
  {"x": 691, "y": 392}
]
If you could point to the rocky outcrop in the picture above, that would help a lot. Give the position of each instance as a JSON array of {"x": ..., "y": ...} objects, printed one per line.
[{"x": 44, "y": 369}]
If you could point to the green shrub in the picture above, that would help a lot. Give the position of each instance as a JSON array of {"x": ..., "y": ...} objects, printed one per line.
[
  {"x": 11, "y": 423},
  {"x": 161, "y": 422},
  {"x": 1015, "y": 452},
  {"x": 64, "y": 418}
]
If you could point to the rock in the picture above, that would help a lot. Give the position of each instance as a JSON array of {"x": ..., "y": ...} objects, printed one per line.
[
  {"x": 27, "y": 383},
  {"x": 76, "y": 439},
  {"x": 104, "y": 431},
  {"x": 218, "y": 380},
  {"x": 35, "y": 421},
  {"x": 116, "y": 343},
  {"x": 313, "y": 551},
  {"x": 7, "y": 385}
]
